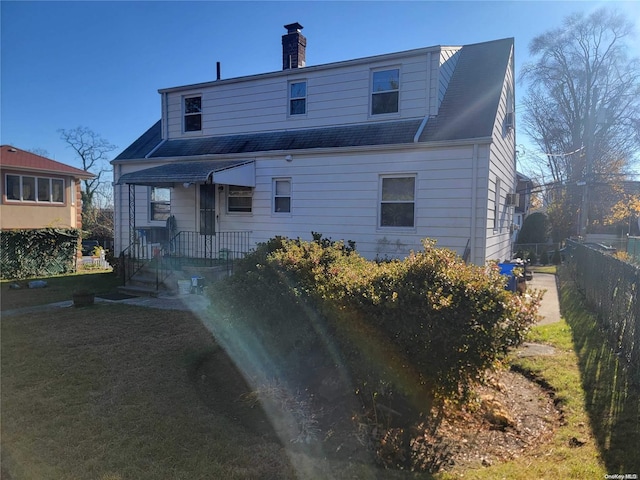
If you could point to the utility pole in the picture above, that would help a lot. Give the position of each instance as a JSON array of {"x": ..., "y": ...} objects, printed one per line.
[{"x": 590, "y": 132}]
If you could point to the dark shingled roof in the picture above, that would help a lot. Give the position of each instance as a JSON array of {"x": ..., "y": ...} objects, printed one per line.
[
  {"x": 470, "y": 104},
  {"x": 144, "y": 144},
  {"x": 170, "y": 173},
  {"x": 468, "y": 110}
]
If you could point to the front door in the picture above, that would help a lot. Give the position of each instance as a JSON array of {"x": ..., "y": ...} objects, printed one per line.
[{"x": 207, "y": 209}]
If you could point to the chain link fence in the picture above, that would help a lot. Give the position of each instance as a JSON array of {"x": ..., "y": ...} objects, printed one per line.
[
  {"x": 37, "y": 253},
  {"x": 610, "y": 287}
]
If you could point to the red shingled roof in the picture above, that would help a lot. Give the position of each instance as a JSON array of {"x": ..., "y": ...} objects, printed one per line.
[{"x": 23, "y": 160}]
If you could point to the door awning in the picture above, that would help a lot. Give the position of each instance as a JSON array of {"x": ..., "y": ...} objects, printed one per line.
[{"x": 232, "y": 172}]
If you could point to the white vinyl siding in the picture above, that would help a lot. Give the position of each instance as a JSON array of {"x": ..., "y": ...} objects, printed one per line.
[
  {"x": 502, "y": 166},
  {"x": 337, "y": 96}
]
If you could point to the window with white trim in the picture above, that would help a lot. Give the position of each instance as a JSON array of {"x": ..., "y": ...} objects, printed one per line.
[
  {"x": 282, "y": 195},
  {"x": 496, "y": 205},
  {"x": 239, "y": 199},
  {"x": 298, "y": 98},
  {"x": 397, "y": 201},
  {"x": 25, "y": 188},
  {"x": 385, "y": 90},
  {"x": 193, "y": 114},
  {"x": 159, "y": 203}
]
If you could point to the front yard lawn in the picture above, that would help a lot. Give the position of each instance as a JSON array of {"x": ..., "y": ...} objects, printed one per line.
[{"x": 105, "y": 393}]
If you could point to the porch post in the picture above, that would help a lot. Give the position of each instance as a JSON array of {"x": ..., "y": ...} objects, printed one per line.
[{"x": 132, "y": 216}]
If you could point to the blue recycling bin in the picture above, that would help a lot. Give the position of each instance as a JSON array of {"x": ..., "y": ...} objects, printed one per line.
[{"x": 506, "y": 269}]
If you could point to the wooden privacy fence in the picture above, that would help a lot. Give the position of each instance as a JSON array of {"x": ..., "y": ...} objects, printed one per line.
[{"x": 610, "y": 287}]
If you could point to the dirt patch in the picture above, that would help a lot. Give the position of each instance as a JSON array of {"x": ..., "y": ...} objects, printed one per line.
[{"x": 508, "y": 417}]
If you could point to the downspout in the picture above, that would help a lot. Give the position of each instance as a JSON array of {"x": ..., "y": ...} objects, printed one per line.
[
  {"x": 474, "y": 203},
  {"x": 416, "y": 137}
]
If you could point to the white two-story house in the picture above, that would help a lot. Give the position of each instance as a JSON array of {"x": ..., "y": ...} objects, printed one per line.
[{"x": 384, "y": 150}]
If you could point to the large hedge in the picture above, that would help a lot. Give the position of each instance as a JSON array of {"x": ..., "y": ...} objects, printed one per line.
[
  {"x": 427, "y": 326},
  {"x": 37, "y": 253}
]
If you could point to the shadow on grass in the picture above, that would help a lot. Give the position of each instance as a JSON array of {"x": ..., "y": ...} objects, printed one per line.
[{"x": 612, "y": 400}]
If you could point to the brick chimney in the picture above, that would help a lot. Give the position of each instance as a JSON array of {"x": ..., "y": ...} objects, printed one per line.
[{"x": 294, "y": 46}]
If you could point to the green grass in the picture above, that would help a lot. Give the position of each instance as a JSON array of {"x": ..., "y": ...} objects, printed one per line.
[
  {"x": 59, "y": 288},
  {"x": 105, "y": 393},
  {"x": 593, "y": 390},
  {"x": 543, "y": 269}
]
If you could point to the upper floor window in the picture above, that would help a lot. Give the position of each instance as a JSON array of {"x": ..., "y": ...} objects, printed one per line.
[
  {"x": 239, "y": 199},
  {"x": 496, "y": 205},
  {"x": 23, "y": 188},
  {"x": 282, "y": 195},
  {"x": 385, "y": 90},
  {"x": 297, "y": 98},
  {"x": 397, "y": 201},
  {"x": 192, "y": 114},
  {"x": 160, "y": 203}
]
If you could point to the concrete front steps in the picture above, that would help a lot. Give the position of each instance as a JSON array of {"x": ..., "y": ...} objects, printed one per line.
[{"x": 143, "y": 283}]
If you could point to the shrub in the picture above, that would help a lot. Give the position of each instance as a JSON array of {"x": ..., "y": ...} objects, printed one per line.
[
  {"x": 556, "y": 259},
  {"x": 429, "y": 326},
  {"x": 37, "y": 253},
  {"x": 535, "y": 229}
]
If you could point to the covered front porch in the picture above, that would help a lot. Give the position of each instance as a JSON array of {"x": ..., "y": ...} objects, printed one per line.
[{"x": 174, "y": 217}]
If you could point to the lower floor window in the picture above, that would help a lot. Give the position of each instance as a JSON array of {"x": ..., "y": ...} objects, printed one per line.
[
  {"x": 282, "y": 195},
  {"x": 160, "y": 203},
  {"x": 239, "y": 199},
  {"x": 397, "y": 201}
]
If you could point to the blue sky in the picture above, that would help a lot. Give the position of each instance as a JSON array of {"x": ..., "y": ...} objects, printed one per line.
[{"x": 100, "y": 64}]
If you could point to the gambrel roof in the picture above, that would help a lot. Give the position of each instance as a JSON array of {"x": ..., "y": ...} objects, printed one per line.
[{"x": 468, "y": 111}]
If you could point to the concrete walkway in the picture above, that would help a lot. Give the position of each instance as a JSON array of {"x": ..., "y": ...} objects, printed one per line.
[
  {"x": 549, "y": 311},
  {"x": 549, "y": 308},
  {"x": 194, "y": 303},
  {"x": 550, "y": 305}
]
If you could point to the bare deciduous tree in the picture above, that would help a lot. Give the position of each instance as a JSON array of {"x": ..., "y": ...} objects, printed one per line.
[
  {"x": 92, "y": 151},
  {"x": 583, "y": 103}
]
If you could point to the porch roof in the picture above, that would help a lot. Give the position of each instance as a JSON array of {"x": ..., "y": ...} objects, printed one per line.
[{"x": 231, "y": 172}]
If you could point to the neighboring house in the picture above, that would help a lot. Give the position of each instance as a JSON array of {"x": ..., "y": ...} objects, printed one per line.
[
  {"x": 522, "y": 199},
  {"x": 38, "y": 192},
  {"x": 384, "y": 151}
]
